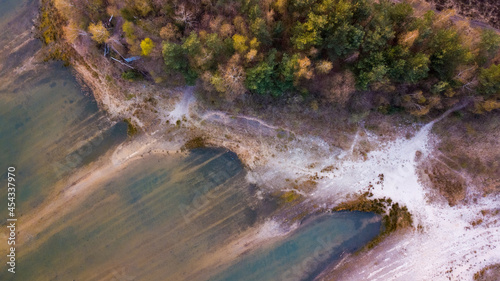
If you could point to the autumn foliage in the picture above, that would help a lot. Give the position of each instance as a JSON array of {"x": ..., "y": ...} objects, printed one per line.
[{"x": 419, "y": 60}]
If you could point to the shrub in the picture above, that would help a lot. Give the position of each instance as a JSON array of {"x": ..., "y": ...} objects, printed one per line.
[
  {"x": 489, "y": 80},
  {"x": 132, "y": 75}
]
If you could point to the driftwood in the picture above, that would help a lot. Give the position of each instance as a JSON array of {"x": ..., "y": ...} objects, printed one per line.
[{"x": 122, "y": 63}]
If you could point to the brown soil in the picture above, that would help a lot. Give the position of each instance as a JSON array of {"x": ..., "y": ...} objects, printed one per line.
[
  {"x": 483, "y": 10},
  {"x": 467, "y": 154}
]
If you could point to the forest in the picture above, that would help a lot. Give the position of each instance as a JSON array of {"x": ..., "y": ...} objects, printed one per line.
[{"x": 421, "y": 60}]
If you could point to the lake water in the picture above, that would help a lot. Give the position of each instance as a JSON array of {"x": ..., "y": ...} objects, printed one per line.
[
  {"x": 161, "y": 217},
  {"x": 307, "y": 251},
  {"x": 48, "y": 131}
]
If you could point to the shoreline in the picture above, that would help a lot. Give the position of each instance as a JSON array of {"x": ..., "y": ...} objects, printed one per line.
[
  {"x": 276, "y": 156},
  {"x": 263, "y": 153}
]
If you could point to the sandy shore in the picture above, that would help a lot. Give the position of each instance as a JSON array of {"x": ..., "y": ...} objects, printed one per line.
[
  {"x": 277, "y": 156},
  {"x": 324, "y": 167}
]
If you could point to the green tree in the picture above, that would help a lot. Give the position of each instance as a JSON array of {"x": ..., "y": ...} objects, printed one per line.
[
  {"x": 262, "y": 78},
  {"x": 142, "y": 7},
  {"x": 417, "y": 68},
  {"x": 175, "y": 58},
  {"x": 345, "y": 40},
  {"x": 405, "y": 66},
  {"x": 260, "y": 30},
  {"x": 192, "y": 44},
  {"x": 380, "y": 32},
  {"x": 489, "y": 80},
  {"x": 129, "y": 30},
  {"x": 308, "y": 34},
  {"x": 372, "y": 68},
  {"x": 447, "y": 53},
  {"x": 401, "y": 14},
  {"x": 94, "y": 9},
  {"x": 488, "y": 46},
  {"x": 287, "y": 71},
  {"x": 214, "y": 43},
  {"x": 302, "y": 6}
]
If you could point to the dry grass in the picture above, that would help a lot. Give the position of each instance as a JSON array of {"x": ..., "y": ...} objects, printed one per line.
[
  {"x": 468, "y": 148},
  {"x": 446, "y": 180},
  {"x": 489, "y": 273}
]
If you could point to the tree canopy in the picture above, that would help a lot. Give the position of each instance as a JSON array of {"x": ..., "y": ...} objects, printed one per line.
[{"x": 279, "y": 47}]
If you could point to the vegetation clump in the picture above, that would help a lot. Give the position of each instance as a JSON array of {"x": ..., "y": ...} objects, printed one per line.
[
  {"x": 51, "y": 26},
  {"x": 395, "y": 217},
  {"x": 489, "y": 273},
  {"x": 290, "y": 197},
  {"x": 147, "y": 46},
  {"x": 131, "y": 129},
  {"x": 197, "y": 142},
  {"x": 132, "y": 75}
]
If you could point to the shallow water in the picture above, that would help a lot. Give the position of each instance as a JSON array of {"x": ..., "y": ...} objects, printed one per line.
[
  {"x": 152, "y": 221},
  {"x": 8, "y": 7},
  {"x": 47, "y": 132},
  {"x": 308, "y": 250}
]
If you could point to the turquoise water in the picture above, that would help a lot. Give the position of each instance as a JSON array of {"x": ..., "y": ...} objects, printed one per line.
[{"x": 306, "y": 252}]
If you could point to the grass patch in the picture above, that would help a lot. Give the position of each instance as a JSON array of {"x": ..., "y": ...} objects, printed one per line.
[
  {"x": 132, "y": 75},
  {"x": 287, "y": 197},
  {"x": 290, "y": 196},
  {"x": 193, "y": 143},
  {"x": 394, "y": 216},
  {"x": 131, "y": 129}
]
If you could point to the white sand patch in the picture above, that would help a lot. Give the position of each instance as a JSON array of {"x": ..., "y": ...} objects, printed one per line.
[
  {"x": 448, "y": 247},
  {"x": 271, "y": 229},
  {"x": 181, "y": 110}
]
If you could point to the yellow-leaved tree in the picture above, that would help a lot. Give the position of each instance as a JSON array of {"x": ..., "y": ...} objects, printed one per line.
[
  {"x": 239, "y": 43},
  {"x": 99, "y": 33},
  {"x": 147, "y": 46}
]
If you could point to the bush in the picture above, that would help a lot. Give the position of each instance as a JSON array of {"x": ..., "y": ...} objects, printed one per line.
[
  {"x": 132, "y": 75},
  {"x": 489, "y": 80}
]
